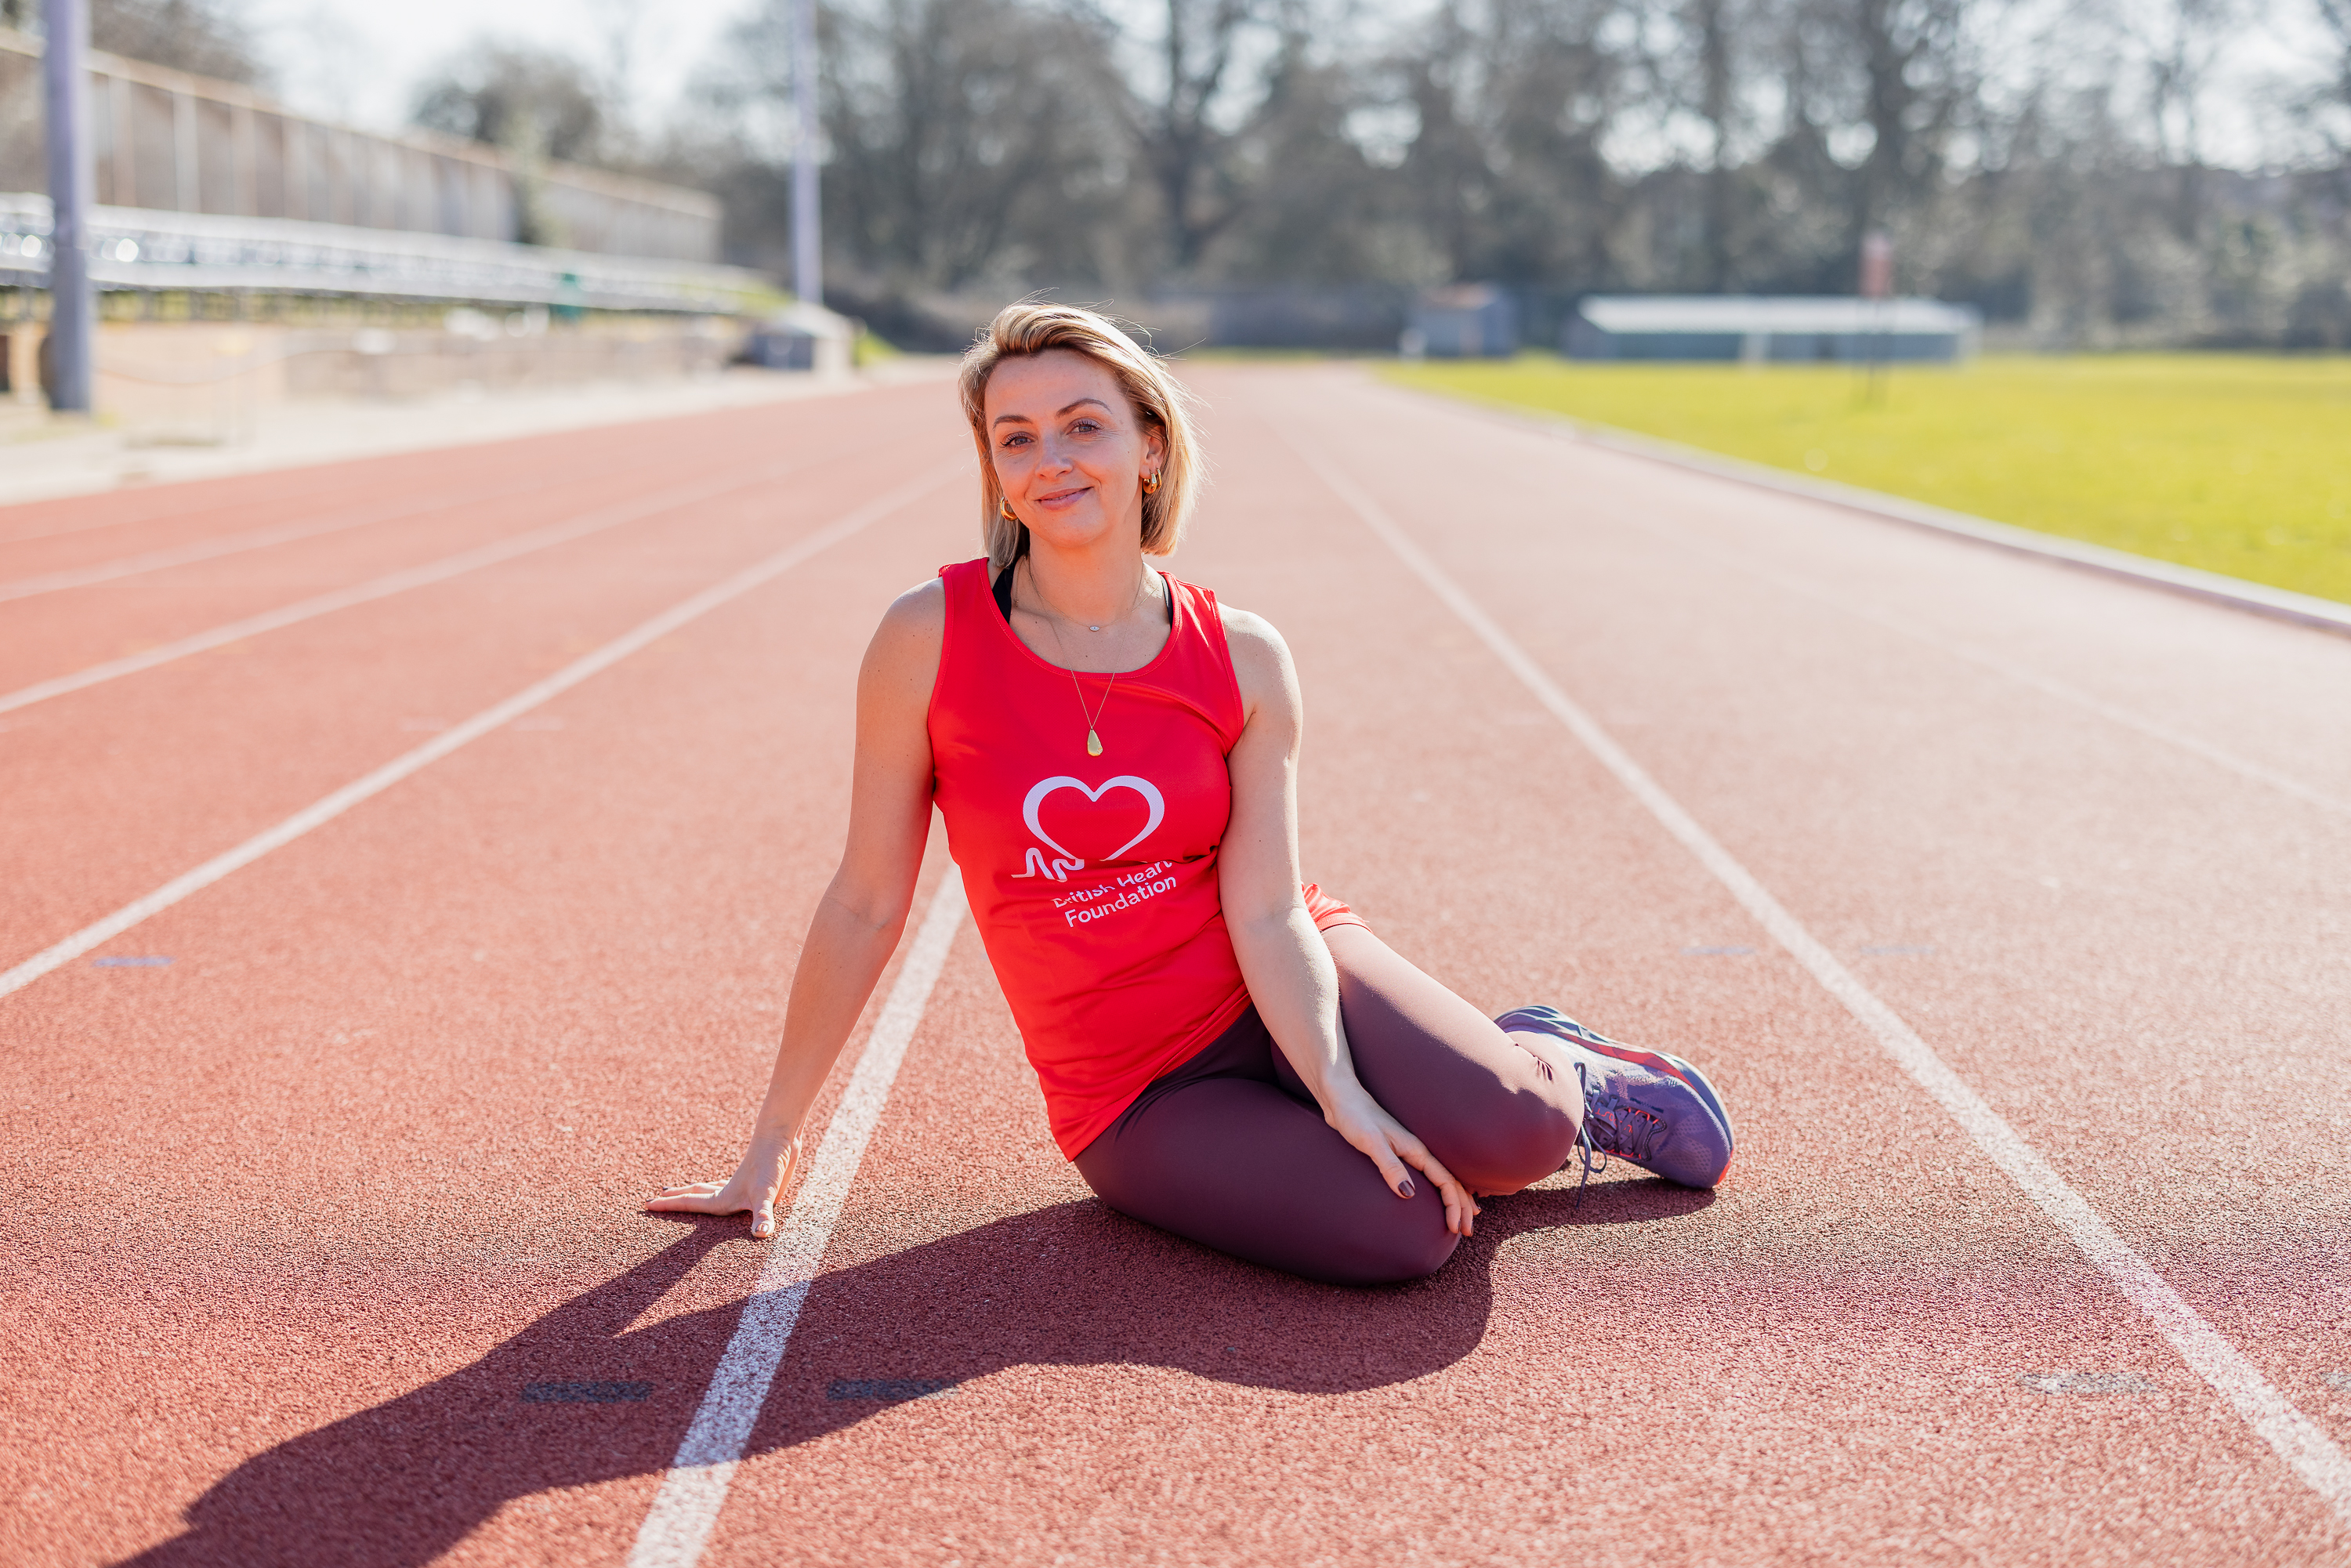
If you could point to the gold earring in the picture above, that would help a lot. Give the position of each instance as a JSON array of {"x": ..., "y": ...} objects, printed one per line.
[
  {"x": 1151, "y": 485},
  {"x": 1004, "y": 510}
]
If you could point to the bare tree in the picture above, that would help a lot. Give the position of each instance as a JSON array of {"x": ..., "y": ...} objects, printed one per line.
[
  {"x": 514, "y": 95},
  {"x": 2325, "y": 107},
  {"x": 1700, "y": 73},
  {"x": 1444, "y": 168},
  {"x": 206, "y": 37},
  {"x": 1910, "y": 55},
  {"x": 1307, "y": 202},
  {"x": 1003, "y": 144},
  {"x": 618, "y": 25},
  {"x": 1173, "y": 121},
  {"x": 2184, "y": 40},
  {"x": 1516, "y": 99},
  {"x": 530, "y": 103},
  {"x": 964, "y": 139},
  {"x": 1712, "y": 23}
]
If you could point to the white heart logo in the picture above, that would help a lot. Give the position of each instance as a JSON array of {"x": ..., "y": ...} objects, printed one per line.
[{"x": 1142, "y": 787}]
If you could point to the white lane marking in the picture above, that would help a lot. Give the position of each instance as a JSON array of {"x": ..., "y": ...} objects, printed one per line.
[
  {"x": 400, "y": 581},
  {"x": 1738, "y": 561},
  {"x": 260, "y": 538},
  {"x": 2046, "y": 686},
  {"x": 2057, "y": 549},
  {"x": 90, "y": 525},
  {"x": 2295, "y": 1438},
  {"x": 327, "y": 809},
  {"x": 685, "y": 1510}
]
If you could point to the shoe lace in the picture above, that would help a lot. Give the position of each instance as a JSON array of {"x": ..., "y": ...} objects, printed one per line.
[{"x": 1624, "y": 1131}]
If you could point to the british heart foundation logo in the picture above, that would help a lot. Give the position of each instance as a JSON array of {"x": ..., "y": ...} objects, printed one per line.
[{"x": 1078, "y": 822}]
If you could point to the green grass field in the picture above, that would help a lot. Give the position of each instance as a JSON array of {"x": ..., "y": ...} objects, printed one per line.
[{"x": 2236, "y": 464}]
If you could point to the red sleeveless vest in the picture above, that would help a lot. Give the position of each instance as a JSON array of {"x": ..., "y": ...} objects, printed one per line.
[{"x": 1094, "y": 879}]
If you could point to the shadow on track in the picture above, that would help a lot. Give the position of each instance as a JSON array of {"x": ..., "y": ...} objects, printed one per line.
[{"x": 1072, "y": 1285}]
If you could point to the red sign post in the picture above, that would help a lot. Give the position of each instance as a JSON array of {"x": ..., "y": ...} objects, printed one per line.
[
  {"x": 1877, "y": 264},
  {"x": 1877, "y": 283}
]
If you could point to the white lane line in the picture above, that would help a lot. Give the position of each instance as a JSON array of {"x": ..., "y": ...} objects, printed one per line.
[
  {"x": 2295, "y": 1438},
  {"x": 685, "y": 1510},
  {"x": 2047, "y": 686},
  {"x": 2055, "y": 550},
  {"x": 332, "y": 806},
  {"x": 90, "y": 525},
  {"x": 400, "y": 581},
  {"x": 260, "y": 538}
]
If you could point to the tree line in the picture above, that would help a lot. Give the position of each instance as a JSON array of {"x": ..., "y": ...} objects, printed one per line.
[
  {"x": 2060, "y": 163},
  {"x": 2052, "y": 164}
]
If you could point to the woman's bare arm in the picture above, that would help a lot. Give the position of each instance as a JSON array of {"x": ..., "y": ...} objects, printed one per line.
[
  {"x": 857, "y": 924},
  {"x": 1284, "y": 961}
]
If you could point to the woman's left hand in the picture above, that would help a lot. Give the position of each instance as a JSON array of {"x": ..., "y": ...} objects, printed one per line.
[{"x": 1356, "y": 1116}]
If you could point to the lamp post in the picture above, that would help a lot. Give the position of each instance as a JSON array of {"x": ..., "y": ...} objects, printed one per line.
[
  {"x": 65, "y": 78},
  {"x": 807, "y": 251}
]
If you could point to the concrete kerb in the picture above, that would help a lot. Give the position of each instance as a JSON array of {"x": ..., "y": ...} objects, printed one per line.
[{"x": 2277, "y": 603}]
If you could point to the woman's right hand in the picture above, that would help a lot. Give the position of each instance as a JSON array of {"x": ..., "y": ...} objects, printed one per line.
[
  {"x": 856, "y": 925},
  {"x": 767, "y": 1168},
  {"x": 1389, "y": 1145}
]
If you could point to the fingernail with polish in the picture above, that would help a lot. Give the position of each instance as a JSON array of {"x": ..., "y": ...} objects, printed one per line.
[{"x": 1405, "y": 1190}]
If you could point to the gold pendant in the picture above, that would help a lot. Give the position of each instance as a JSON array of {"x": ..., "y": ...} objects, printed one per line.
[{"x": 1094, "y": 742}]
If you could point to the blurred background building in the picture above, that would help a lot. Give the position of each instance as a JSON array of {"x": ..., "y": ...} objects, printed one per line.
[{"x": 1763, "y": 329}]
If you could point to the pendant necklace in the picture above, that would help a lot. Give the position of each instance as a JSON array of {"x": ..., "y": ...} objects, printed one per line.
[
  {"x": 1093, "y": 741},
  {"x": 1093, "y": 737}
]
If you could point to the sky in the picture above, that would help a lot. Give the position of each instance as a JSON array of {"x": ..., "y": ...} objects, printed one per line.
[{"x": 359, "y": 62}]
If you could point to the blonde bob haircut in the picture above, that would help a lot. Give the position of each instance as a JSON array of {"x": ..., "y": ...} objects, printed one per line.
[{"x": 1032, "y": 327}]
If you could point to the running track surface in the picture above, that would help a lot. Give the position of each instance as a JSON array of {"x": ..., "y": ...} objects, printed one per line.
[{"x": 322, "y": 1238}]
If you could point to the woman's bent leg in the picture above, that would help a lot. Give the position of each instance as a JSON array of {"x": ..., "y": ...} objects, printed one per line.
[
  {"x": 1230, "y": 1151},
  {"x": 1233, "y": 1162},
  {"x": 1498, "y": 1115}
]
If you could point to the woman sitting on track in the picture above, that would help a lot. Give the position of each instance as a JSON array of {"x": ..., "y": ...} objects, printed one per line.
[{"x": 1225, "y": 1052}]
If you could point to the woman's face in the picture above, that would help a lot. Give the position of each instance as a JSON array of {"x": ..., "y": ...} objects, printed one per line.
[{"x": 1070, "y": 452}]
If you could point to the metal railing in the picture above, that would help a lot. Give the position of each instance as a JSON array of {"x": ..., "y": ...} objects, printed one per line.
[
  {"x": 165, "y": 140},
  {"x": 141, "y": 249}
]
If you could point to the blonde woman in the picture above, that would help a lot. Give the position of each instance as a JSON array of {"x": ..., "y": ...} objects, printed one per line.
[{"x": 1226, "y": 1051}]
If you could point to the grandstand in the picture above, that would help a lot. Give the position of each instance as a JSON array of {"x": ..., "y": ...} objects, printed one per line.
[{"x": 206, "y": 187}]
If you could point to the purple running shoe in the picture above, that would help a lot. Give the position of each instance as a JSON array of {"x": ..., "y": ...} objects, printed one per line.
[{"x": 1649, "y": 1109}]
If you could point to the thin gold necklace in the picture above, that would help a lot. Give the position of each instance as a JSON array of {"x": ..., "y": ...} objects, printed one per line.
[{"x": 1094, "y": 739}]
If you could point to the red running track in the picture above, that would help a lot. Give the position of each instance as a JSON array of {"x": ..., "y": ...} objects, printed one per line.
[{"x": 300, "y": 1221}]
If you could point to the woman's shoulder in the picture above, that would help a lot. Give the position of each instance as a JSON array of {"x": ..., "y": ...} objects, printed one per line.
[
  {"x": 1260, "y": 658},
  {"x": 1249, "y": 634},
  {"x": 915, "y": 626}
]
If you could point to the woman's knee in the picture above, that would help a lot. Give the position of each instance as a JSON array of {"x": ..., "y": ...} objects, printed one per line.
[
  {"x": 1396, "y": 1255},
  {"x": 1518, "y": 1140}
]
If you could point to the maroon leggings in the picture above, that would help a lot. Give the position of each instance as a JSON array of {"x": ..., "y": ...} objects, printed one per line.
[{"x": 1229, "y": 1149}]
